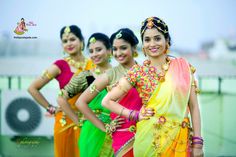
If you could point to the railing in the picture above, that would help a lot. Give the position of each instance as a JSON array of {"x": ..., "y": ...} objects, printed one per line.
[
  {"x": 219, "y": 79},
  {"x": 20, "y": 82},
  {"x": 16, "y": 82}
]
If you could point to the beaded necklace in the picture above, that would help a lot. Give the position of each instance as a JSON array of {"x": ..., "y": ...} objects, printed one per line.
[{"x": 164, "y": 69}]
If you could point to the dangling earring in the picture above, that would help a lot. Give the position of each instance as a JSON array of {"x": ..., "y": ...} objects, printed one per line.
[
  {"x": 144, "y": 52},
  {"x": 109, "y": 58},
  {"x": 82, "y": 47},
  {"x": 135, "y": 54},
  {"x": 167, "y": 49}
]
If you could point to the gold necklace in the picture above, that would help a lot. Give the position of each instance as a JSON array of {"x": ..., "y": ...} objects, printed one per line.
[
  {"x": 164, "y": 68},
  {"x": 76, "y": 64}
]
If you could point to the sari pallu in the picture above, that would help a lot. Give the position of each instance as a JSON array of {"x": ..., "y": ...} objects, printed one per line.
[
  {"x": 66, "y": 135},
  {"x": 93, "y": 141},
  {"x": 166, "y": 133},
  {"x": 123, "y": 138}
]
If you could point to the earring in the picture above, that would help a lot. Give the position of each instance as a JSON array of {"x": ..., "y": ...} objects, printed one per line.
[
  {"x": 135, "y": 54},
  {"x": 109, "y": 58},
  {"x": 82, "y": 47},
  {"x": 144, "y": 52},
  {"x": 167, "y": 49}
]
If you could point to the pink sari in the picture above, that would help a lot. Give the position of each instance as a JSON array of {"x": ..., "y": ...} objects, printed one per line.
[{"x": 123, "y": 138}]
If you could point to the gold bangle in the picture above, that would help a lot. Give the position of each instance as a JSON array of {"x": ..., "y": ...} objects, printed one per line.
[
  {"x": 193, "y": 70},
  {"x": 47, "y": 75},
  {"x": 93, "y": 88},
  {"x": 121, "y": 111}
]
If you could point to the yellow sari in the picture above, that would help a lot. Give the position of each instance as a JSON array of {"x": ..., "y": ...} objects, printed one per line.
[{"x": 166, "y": 133}]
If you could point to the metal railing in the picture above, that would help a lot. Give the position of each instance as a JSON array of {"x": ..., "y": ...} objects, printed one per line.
[{"x": 19, "y": 79}]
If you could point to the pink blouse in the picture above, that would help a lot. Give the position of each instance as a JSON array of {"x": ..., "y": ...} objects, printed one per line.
[{"x": 66, "y": 74}]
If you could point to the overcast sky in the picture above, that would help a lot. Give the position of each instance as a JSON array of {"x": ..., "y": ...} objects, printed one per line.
[{"x": 191, "y": 22}]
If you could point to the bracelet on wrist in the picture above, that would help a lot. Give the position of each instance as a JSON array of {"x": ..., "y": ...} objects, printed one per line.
[
  {"x": 130, "y": 115},
  {"x": 51, "y": 109},
  {"x": 197, "y": 138},
  {"x": 121, "y": 111},
  {"x": 197, "y": 142}
]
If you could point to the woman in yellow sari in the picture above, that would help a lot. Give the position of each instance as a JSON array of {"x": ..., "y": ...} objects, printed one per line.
[
  {"x": 167, "y": 88},
  {"x": 65, "y": 134}
]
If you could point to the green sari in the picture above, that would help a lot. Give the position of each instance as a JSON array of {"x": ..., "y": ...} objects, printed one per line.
[{"x": 93, "y": 141}]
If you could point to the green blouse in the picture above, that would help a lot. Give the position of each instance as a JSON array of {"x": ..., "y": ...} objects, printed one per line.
[{"x": 115, "y": 74}]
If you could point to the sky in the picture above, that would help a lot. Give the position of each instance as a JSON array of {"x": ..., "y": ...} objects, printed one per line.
[{"x": 191, "y": 22}]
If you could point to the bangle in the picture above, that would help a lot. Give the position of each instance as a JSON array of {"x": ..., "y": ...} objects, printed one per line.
[
  {"x": 121, "y": 111},
  {"x": 110, "y": 129},
  {"x": 130, "y": 113},
  {"x": 51, "y": 109},
  {"x": 197, "y": 138},
  {"x": 47, "y": 75},
  {"x": 197, "y": 142},
  {"x": 136, "y": 118},
  {"x": 93, "y": 88}
]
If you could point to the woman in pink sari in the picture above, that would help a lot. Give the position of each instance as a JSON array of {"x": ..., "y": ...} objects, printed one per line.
[
  {"x": 167, "y": 88},
  {"x": 124, "y": 44}
]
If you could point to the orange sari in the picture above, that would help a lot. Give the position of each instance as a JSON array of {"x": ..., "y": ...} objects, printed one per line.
[{"x": 66, "y": 137}]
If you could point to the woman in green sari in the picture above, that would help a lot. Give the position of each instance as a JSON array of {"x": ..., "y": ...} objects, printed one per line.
[{"x": 92, "y": 141}]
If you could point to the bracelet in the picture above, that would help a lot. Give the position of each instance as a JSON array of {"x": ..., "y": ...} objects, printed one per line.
[
  {"x": 197, "y": 138},
  {"x": 136, "y": 117},
  {"x": 51, "y": 109},
  {"x": 197, "y": 142},
  {"x": 121, "y": 111},
  {"x": 47, "y": 75},
  {"x": 130, "y": 115},
  {"x": 110, "y": 129},
  {"x": 107, "y": 127},
  {"x": 93, "y": 88}
]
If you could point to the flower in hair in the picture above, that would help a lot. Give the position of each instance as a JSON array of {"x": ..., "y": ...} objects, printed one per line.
[
  {"x": 119, "y": 35},
  {"x": 92, "y": 40}
]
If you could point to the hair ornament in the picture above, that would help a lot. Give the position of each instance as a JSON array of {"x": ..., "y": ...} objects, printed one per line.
[
  {"x": 67, "y": 30},
  {"x": 92, "y": 40},
  {"x": 150, "y": 19},
  {"x": 150, "y": 24},
  {"x": 119, "y": 35}
]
